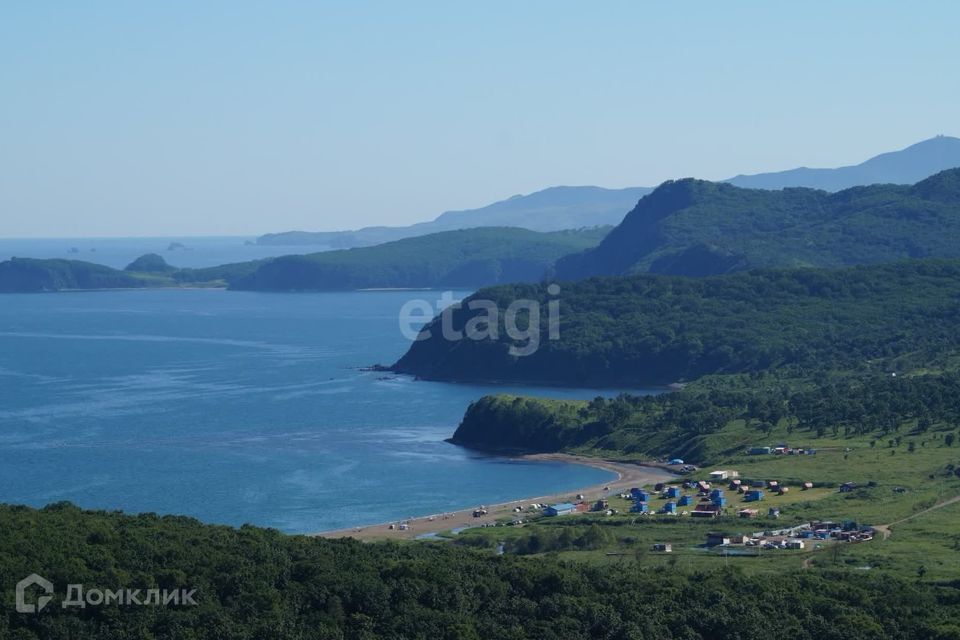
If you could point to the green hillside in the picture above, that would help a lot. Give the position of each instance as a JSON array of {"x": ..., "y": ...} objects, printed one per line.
[
  {"x": 252, "y": 583},
  {"x": 693, "y": 227},
  {"x": 651, "y": 329},
  {"x": 719, "y": 417},
  {"x": 466, "y": 258},
  {"x": 24, "y": 275},
  {"x": 469, "y": 258}
]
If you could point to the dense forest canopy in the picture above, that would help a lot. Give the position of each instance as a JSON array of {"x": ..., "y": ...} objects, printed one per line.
[
  {"x": 694, "y": 227},
  {"x": 465, "y": 258},
  {"x": 681, "y": 423},
  {"x": 257, "y": 584},
  {"x": 652, "y": 329}
]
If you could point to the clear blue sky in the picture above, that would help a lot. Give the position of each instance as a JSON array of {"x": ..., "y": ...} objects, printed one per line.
[{"x": 182, "y": 117}]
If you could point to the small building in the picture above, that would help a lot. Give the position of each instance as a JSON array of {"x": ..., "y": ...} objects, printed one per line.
[
  {"x": 716, "y": 539},
  {"x": 705, "y": 510},
  {"x": 754, "y": 495},
  {"x": 739, "y": 538},
  {"x": 703, "y": 486},
  {"x": 794, "y": 544},
  {"x": 684, "y": 501},
  {"x": 716, "y": 493},
  {"x": 734, "y": 484},
  {"x": 562, "y": 509},
  {"x": 669, "y": 507},
  {"x": 723, "y": 474},
  {"x": 581, "y": 507},
  {"x": 748, "y": 513},
  {"x": 759, "y": 451},
  {"x": 640, "y": 507},
  {"x": 774, "y": 485},
  {"x": 601, "y": 505},
  {"x": 663, "y": 547},
  {"x": 673, "y": 492}
]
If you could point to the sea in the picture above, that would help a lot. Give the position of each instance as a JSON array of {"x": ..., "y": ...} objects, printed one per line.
[{"x": 242, "y": 407}]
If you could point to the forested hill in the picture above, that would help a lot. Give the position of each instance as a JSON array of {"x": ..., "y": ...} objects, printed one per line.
[
  {"x": 693, "y": 227},
  {"x": 652, "y": 329},
  {"x": 252, "y": 584},
  {"x": 715, "y": 419},
  {"x": 467, "y": 258},
  {"x": 27, "y": 275}
]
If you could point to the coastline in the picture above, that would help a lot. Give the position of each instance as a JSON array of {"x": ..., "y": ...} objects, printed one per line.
[{"x": 629, "y": 474}]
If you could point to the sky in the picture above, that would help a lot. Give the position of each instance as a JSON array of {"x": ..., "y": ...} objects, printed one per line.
[{"x": 240, "y": 118}]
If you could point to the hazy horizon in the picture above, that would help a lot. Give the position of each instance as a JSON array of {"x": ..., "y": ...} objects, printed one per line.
[{"x": 177, "y": 120}]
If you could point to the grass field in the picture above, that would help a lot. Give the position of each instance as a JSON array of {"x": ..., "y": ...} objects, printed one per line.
[{"x": 894, "y": 482}]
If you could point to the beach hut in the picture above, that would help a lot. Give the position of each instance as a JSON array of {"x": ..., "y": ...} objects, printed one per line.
[
  {"x": 754, "y": 495},
  {"x": 705, "y": 510},
  {"x": 673, "y": 492},
  {"x": 717, "y": 539},
  {"x": 684, "y": 501},
  {"x": 670, "y": 507},
  {"x": 562, "y": 509},
  {"x": 723, "y": 474},
  {"x": 639, "y": 507}
]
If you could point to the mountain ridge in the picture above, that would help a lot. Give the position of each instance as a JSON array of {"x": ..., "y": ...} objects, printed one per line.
[
  {"x": 696, "y": 227},
  {"x": 570, "y": 207}
]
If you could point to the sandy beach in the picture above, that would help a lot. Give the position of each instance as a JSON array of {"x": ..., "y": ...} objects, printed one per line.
[{"x": 628, "y": 475}]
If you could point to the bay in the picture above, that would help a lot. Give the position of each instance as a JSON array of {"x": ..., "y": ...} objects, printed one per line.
[{"x": 241, "y": 407}]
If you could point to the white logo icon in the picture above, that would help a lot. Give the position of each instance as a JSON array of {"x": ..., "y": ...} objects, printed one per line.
[{"x": 31, "y": 581}]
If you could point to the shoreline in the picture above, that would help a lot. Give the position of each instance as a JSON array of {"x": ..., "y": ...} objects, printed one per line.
[{"x": 629, "y": 474}]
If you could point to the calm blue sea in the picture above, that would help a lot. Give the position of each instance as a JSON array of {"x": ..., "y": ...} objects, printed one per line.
[
  {"x": 119, "y": 252},
  {"x": 238, "y": 407}
]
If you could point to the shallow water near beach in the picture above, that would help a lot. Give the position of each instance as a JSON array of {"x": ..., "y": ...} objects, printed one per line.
[{"x": 238, "y": 407}]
